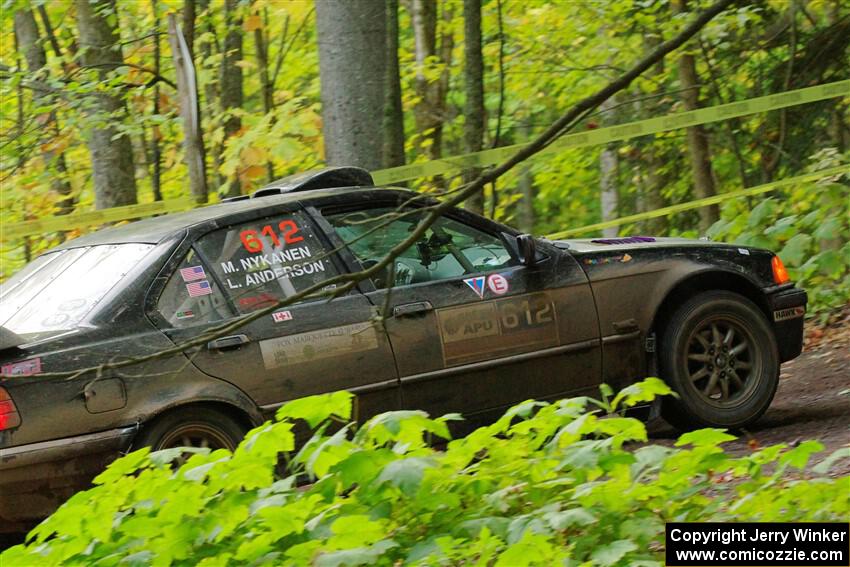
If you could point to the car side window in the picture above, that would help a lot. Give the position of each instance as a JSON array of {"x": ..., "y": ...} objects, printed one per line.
[
  {"x": 191, "y": 296},
  {"x": 267, "y": 260},
  {"x": 448, "y": 249}
]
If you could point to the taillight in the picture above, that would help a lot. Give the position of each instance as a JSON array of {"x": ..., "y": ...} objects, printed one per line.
[
  {"x": 780, "y": 274},
  {"x": 9, "y": 416}
]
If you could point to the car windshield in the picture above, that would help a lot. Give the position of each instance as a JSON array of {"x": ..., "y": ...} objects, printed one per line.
[{"x": 56, "y": 291}]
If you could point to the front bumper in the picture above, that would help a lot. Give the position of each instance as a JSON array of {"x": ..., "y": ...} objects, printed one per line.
[
  {"x": 37, "y": 478},
  {"x": 787, "y": 309}
]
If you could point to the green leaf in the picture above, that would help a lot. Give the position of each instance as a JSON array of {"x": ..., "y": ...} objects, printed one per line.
[
  {"x": 316, "y": 409},
  {"x": 825, "y": 465},
  {"x": 828, "y": 229},
  {"x": 644, "y": 391},
  {"x": 612, "y": 553},
  {"x": 799, "y": 456},
  {"x": 796, "y": 250},
  {"x": 407, "y": 473},
  {"x": 708, "y": 437}
]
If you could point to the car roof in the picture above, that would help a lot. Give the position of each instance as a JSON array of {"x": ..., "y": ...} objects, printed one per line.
[{"x": 157, "y": 229}]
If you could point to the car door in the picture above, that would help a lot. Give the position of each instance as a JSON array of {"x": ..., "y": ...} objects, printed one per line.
[
  {"x": 311, "y": 347},
  {"x": 472, "y": 329}
]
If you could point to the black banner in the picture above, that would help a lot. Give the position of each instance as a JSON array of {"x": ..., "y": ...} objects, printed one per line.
[{"x": 816, "y": 544}]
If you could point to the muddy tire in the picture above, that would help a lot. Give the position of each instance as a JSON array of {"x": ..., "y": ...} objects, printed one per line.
[
  {"x": 192, "y": 427},
  {"x": 719, "y": 354}
]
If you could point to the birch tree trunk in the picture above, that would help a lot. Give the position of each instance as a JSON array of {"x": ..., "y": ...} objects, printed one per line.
[
  {"x": 29, "y": 43},
  {"x": 473, "y": 108},
  {"x": 527, "y": 216},
  {"x": 352, "y": 62},
  {"x": 113, "y": 170},
  {"x": 187, "y": 87},
  {"x": 609, "y": 192}
]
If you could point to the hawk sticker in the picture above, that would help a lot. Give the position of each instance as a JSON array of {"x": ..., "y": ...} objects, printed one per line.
[{"x": 476, "y": 284}]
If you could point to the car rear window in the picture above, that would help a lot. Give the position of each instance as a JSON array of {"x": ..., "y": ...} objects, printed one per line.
[
  {"x": 58, "y": 290},
  {"x": 265, "y": 261}
]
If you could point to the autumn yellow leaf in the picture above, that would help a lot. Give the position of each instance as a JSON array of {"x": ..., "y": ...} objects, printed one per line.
[
  {"x": 252, "y": 22},
  {"x": 252, "y": 156},
  {"x": 253, "y": 172}
]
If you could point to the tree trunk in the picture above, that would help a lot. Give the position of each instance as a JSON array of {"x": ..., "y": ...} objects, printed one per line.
[
  {"x": 352, "y": 61},
  {"x": 609, "y": 162},
  {"x": 698, "y": 148},
  {"x": 527, "y": 216},
  {"x": 393, "y": 152},
  {"x": 473, "y": 108},
  {"x": 111, "y": 151},
  {"x": 649, "y": 160},
  {"x": 156, "y": 149},
  {"x": 187, "y": 88},
  {"x": 188, "y": 28},
  {"x": 261, "y": 45},
  {"x": 29, "y": 43},
  {"x": 232, "y": 97},
  {"x": 430, "y": 110}
]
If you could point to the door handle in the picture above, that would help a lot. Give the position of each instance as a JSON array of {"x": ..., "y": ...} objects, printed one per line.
[
  {"x": 226, "y": 343},
  {"x": 412, "y": 308}
]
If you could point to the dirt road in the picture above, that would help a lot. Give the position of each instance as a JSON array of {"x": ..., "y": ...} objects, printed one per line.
[{"x": 809, "y": 403}]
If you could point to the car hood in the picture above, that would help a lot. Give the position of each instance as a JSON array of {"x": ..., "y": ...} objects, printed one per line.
[{"x": 589, "y": 245}]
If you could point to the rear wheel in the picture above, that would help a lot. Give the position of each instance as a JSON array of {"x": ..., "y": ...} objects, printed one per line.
[
  {"x": 719, "y": 354},
  {"x": 192, "y": 427}
]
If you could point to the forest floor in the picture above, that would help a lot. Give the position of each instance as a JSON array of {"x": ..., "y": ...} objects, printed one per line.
[{"x": 809, "y": 403}]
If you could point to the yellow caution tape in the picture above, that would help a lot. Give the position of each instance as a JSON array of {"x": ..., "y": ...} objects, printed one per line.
[
  {"x": 664, "y": 211},
  {"x": 620, "y": 132},
  {"x": 478, "y": 159},
  {"x": 44, "y": 225}
]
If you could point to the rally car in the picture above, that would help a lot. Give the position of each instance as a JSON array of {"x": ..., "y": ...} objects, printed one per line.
[{"x": 473, "y": 318}]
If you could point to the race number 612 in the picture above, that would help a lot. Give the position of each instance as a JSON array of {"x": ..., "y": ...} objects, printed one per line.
[{"x": 288, "y": 230}]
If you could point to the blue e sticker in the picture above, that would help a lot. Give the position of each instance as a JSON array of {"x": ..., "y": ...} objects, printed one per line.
[{"x": 476, "y": 284}]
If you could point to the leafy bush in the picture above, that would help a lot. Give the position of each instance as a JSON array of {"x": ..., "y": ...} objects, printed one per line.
[
  {"x": 809, "y": 228},
  {"x": 565, "y": 482}
]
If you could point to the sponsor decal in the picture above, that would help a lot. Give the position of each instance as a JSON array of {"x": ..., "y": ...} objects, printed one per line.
[
  {"x": 282, "y": 316},
  {"x": 498, "y": 284},
  {"x": 316, "y": 345},
  {"x": 743, "y": 251},
  {"x": 193, "y": 273},
  {"x": 286, "y": 231},
  {"x": 185, "y": 314},
  {"x": 791, "y": 313},
  {"x": 609, "y": 260},
  {"x": 476, "y": 284},
  {"x": 197, "y": 289},
  {"x": 23, "y": 368},
  {"x": 512, "y": 325},
  {"x": 257, "y": 301}
]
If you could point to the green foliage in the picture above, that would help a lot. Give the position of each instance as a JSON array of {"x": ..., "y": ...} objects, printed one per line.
[
  {"x": 809, "y": 228},
  {"x": 571, "y": 482}
]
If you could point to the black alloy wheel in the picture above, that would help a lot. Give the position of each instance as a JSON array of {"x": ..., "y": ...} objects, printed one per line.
[{"x": 718, "y": 352}]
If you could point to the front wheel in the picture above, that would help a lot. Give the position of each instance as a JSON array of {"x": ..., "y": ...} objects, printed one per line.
[{"x": 719, "y": 354}]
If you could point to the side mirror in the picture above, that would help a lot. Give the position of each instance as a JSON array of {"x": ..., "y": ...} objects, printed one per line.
[{"x": 527, "y": 249}]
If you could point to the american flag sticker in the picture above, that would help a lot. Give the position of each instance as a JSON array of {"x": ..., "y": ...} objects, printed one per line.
[
  {"x": 193, "y": 273},
  {"x": 196, "y": 289}
]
